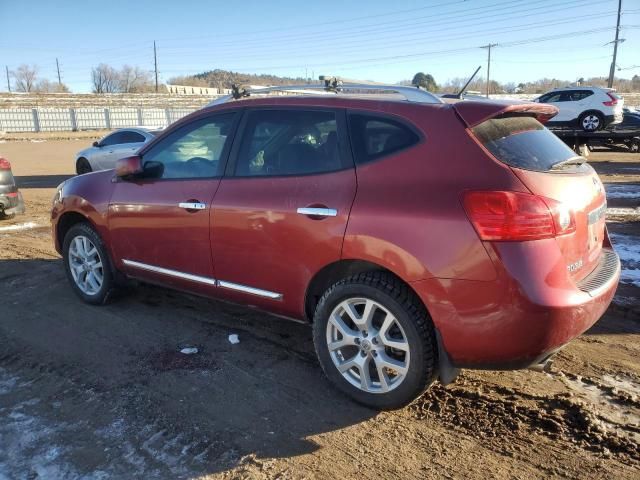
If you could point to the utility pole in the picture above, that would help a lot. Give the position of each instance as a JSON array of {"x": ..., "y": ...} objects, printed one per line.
[
  {"x": 488, "y": 47},
  {"x": 58, "y": 67},
  {"x": 155, "y": 63},
  {"x": 612, "y": 70},
  {"x": 6, "y": 67}
]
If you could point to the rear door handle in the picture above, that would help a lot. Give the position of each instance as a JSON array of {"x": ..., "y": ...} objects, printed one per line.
[
  {"x": 192, "y": 205},
  {"x": 317, "y": 212}
]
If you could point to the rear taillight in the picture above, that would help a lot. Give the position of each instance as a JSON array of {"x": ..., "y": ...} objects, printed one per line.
[
  {"x": 12, "y": 194},
  {"x": 517, "y": 216},
  {"x": 611, "y": 103},
  {"x": 4, "y": 164}
]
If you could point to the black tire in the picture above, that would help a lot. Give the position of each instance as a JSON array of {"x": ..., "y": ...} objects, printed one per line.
[
  {"x": 591, "y": 121},
  {"x": 107, "y": 287},
  {"x": 410, "y": 314},
  {"x": 83, "y": 166},
  {"x": 635, "y": 146}
]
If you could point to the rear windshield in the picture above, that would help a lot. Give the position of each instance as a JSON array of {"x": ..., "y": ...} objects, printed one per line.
[{"x": 522, "y": 142}]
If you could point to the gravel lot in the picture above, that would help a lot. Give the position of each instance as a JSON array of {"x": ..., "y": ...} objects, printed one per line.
[{"x": 103, "y": 392}]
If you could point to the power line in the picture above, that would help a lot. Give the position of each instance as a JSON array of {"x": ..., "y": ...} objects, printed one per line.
[{"x": 391, "y": 44}]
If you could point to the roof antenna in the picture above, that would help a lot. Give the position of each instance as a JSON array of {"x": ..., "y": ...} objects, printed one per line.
[{"x": 459, "y": 94}]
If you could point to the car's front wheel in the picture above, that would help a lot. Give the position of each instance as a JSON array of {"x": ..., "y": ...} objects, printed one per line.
[
  {"x": 591, "y": 121},
  {"x": 87, "y": 264},
  {"x": 83, "y": 166},
  {"x": 375, "y": 340}
]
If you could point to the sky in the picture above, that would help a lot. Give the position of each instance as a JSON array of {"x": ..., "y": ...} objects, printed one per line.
[{"x": 373, "y": 40}]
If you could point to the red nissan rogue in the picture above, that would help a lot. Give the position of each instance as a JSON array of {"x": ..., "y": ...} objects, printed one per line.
[{"x": 417, "y": 237}]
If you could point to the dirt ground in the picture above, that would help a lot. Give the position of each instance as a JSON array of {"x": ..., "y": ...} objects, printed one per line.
[{"x": 102, "y": 392}]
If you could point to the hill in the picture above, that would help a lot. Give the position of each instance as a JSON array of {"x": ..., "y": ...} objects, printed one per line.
[{"x": 225, "y": 79}]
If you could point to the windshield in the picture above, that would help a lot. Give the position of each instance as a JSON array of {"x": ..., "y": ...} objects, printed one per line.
[{"x": 522, "y": 142}]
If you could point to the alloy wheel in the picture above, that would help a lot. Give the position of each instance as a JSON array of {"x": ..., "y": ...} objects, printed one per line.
[
  {"x": 368, "y": 345},
  {"x": 591, "y": 122},
  {"x": 86, "y": 265}
]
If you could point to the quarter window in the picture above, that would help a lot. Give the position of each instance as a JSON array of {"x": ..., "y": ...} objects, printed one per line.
[
  {"x": 193, "y": 151},
  {"x": 374, "y": 137},
  {"x": 289, "y": 142}
]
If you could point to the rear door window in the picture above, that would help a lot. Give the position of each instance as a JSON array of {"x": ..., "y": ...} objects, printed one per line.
[
  {"x": 373, "y": 137},
  {"x": 522, "y": 142},
  {"x": 578, "y": 95},
  {"x": 289, "y": 142}
]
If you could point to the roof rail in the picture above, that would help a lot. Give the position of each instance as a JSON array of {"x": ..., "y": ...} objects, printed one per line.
[{"x": 333, "y": 85}]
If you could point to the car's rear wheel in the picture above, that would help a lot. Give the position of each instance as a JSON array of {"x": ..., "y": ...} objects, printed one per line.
[
  {"x": 375, "y": 340},
  {"x": 87, "y": 264},
  {"x": 83, "y": 166},
  {"x": 591, "y": 121}
]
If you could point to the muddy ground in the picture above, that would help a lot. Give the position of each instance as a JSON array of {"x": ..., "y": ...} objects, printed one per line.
[{"x": 103, "y": 392}]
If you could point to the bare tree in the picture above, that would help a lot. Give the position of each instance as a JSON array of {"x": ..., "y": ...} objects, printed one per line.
[
  {"x": 46, "y": 86},
  {"x": 105, "y": 79},
  {"x": 25, "y": 77},
  {"x": 134, "y": 79}
]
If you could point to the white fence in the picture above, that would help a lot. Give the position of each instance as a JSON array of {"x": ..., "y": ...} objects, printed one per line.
[{"x": 72, "y": 119}]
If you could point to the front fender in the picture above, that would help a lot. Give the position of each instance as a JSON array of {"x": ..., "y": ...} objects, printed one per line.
[{"x": 87, "y": 195}]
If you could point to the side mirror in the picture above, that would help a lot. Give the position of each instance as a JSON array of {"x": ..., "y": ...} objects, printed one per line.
[
  {"x": 96, "y": 144},
  {"x": 130, "y": 166}
]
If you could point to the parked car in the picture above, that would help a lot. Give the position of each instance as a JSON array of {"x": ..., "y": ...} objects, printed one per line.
[
  {"x": 11, "y": 201},
  {"x": 418, "y": 237},
  {"x": 103, "y": 154},
  {"x": 587, "y": 108}
]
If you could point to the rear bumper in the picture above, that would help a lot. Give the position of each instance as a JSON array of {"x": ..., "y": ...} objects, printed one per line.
[
  {"x": 529, "y": 312},
  {"x": 12, "y": 203}
]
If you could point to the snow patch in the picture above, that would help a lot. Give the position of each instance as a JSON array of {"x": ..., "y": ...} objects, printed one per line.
[
  {"x": 628, "y": 248},
  {"x": 627, "y": 213},
  {"x": 233, "y": 339},
  {"x": 19, "y": 226}
]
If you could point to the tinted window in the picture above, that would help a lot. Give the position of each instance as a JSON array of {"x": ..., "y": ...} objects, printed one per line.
[
  {"x": 131, "y": 137},
  {"x": 374, "y": 137},
  {"x": 113, "y": 139},
  {"x": 193, "y": 151},
  {"x": 289, "y": 142},
  {"x": 522, "y": 142},
  {"x": 577, "y": 95}
]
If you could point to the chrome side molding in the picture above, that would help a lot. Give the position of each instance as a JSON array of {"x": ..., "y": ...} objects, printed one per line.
[
  {"x": 319, "y": 212},
  {"x": 251, "y": 290},
  {"x": 171, "y": 273},
  {"x": 206, "y": 280}
]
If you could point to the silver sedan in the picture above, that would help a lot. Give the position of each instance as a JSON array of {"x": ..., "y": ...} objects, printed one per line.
[{"x": 103, "y": 154}]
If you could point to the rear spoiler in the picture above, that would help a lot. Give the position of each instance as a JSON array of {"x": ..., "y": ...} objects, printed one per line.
[{"x": 475, "y": 112}]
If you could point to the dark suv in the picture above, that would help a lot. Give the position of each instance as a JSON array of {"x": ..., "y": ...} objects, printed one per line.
[{"x": 418, "y": 237}]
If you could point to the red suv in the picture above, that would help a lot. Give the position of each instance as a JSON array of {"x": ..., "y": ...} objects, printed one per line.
[{"x": 418, "y": 237}]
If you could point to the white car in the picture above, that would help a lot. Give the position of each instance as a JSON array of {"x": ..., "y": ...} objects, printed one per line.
[
  {"x": 587, "y": 108},
  {"x": 103, "y": 154}
]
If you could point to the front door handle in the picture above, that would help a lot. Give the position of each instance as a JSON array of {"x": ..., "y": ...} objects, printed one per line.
[
  {"x": 192, "y": 205},
  {"x": 318, "y": 212}
]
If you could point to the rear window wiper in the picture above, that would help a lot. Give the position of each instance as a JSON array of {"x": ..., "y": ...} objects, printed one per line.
[{"x": 577, "y": 160}]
